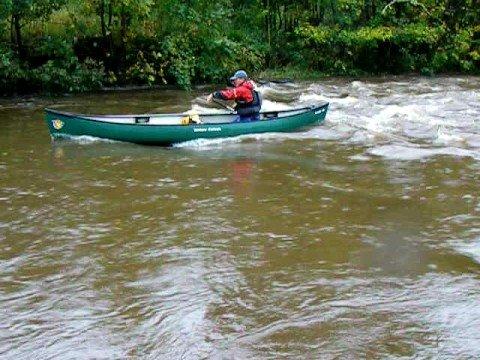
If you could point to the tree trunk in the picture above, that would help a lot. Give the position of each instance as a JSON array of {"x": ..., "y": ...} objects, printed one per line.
[
  {"x": 333, "y": 7},
  {"x": 123, "y": 26},
  {"x": 102, "y": 18},
  {"x": 110, "y": 16},
  {"x": 12, "y": 32},
  {"x": 17, "y": 36}
]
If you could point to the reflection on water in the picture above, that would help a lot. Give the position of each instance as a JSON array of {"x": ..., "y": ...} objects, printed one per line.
[
  {"x": 356, "y": 239},
  {"x": 242, "y": 176}
]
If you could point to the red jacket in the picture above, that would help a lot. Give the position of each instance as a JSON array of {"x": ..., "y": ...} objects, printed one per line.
[{"x": 242, "y": 93}]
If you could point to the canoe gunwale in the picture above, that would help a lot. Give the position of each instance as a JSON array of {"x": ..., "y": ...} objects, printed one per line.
[{"x": 94, "y": 117}]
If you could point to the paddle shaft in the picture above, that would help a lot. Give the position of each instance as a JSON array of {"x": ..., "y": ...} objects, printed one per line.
[{"x": 223, "y": 105}]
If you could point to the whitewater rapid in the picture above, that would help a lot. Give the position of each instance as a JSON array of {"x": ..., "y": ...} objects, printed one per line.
[{"x": 400, "y": 119}]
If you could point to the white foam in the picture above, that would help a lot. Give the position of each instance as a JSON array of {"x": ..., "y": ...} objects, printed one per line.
[
  {"x": 209, "y": 143},
  {"x": 446, "y": 137},
  {"x": 323, "y": 133},
  {"x": 315, "y": 133},
  {"x": 362, "y": 88},
  {"x": 398, "y": 113},
  {"x": 399, "y": 152},
  {"x": 471, "y": 249},
  {"x": 197, "y": 108},
  {"x": 359, "y": 157},
  {"x": 268, "y": 105},
  {"x": 86, "y": 139},
  {"x": 473, "y": 140},
  {"x": 311, "y": 98}
]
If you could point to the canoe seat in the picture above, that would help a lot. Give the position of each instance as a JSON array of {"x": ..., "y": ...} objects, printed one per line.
[
  {"x": 142, "y": 119},
  {"x": 270, "y": 115}
]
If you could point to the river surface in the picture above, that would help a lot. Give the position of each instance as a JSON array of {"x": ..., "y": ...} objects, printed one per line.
[{"x": 358, "y": 238}]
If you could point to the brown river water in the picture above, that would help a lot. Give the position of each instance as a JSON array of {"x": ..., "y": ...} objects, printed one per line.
[{"x": 358, "y": 238}]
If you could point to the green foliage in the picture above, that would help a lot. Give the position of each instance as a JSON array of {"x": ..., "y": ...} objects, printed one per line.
[
  {"x": 181, "y": 60},
  {"x": 143, "y": 71},
  {"x": 413, "y": 47},
  {"x": 62, "y": 74},
  {"x": 71, "y": 76},
  {"x": 461, "y": 53},
  {"x": 77, "y": 45},
  {"x": 11, "y": 74},
  {"x": 6, "y": 9},
  {"x": 32, "y": 9}
]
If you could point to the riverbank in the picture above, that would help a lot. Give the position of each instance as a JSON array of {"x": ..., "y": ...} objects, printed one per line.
[
  {"x": 56, "y": 65},
  {"x": 274, "y": 75},
  {"x": 68, "y": 46}
]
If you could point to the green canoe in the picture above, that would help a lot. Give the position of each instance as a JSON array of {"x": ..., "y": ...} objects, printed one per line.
[{"x": 166, "y": 129}]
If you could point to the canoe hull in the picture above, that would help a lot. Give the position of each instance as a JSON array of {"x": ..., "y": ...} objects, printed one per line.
[{"x": 63, "y": 125}]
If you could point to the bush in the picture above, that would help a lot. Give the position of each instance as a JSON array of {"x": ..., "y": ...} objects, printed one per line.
[
  {"x": 413, "y": 47},
  {"x": 68, "y": 76},
  {"x": 12, "y": 75},
  {"x": 58, "y": 75},
  {"x": 461, "y": 53}
]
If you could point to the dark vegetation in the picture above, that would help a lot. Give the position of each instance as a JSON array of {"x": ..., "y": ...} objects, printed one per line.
[{"x": 82, "y": 45}]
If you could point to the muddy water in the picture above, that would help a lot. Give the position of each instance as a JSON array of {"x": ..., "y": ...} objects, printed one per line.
[{"x": 359, "y": 238}]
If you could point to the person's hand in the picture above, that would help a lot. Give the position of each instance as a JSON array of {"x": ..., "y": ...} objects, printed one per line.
[{"x": 210, "y": 98}]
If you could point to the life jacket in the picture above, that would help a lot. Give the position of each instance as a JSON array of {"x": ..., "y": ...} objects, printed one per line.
[{"x": 250, "y": 108}]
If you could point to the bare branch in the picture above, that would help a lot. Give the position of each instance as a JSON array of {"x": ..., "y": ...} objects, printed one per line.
[{"x": 412, "y": 2}]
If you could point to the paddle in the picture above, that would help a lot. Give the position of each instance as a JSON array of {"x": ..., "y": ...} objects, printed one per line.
[{"x": 223, "y": 105}]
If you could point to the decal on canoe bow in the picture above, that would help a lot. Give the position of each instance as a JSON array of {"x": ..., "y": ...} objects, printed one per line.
[{"x": 57, "y": 124}]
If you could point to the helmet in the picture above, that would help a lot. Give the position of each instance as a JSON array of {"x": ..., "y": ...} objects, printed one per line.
[{"x": 240, "y": 74}]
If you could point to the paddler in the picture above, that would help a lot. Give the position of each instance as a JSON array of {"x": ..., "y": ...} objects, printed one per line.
[{"x": 248, "y": 100}]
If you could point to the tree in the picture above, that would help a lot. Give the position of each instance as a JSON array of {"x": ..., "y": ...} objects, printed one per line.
[
  {"x": 116, "y": 16},
  {"x": 21, "y": 12}
]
